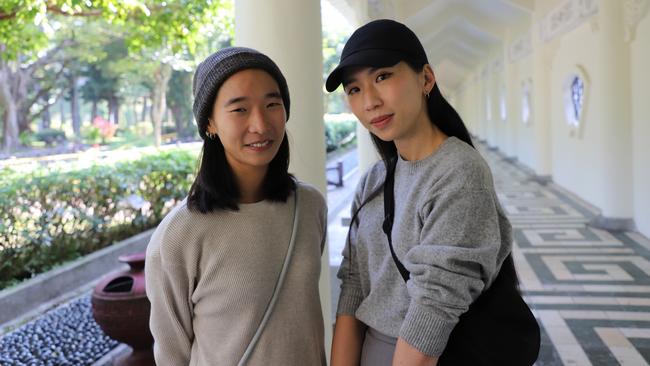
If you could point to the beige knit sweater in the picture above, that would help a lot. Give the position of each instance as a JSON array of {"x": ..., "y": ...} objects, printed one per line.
[{"x": 210, "y": 276}]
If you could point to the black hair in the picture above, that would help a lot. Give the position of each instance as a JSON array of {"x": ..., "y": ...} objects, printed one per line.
[
  {"x": 443, "y": 116},
  {"x": 215, "y": 187}
]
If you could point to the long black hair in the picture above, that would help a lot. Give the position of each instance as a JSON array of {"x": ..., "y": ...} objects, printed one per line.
[{"x": 215, "y": 187}]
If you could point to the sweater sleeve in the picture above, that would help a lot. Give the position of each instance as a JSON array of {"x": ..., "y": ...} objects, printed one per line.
[
  {"x": 351, "y": 294},
  {"x": 454, "y": 261},
  {"x": 168, "y": 290}
]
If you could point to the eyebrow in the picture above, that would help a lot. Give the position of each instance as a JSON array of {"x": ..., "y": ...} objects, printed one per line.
[
  {"x": 271, "y": 95},
  {"x": 349, "y": 80}
]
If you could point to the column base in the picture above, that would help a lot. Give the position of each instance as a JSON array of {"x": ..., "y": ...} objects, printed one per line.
[
  {"x": 541, "y": 179},
  {"x": 613, "y": 223}
]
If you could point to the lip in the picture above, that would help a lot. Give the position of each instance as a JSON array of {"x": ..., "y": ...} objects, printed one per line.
[
  {"x": 259, "y": 148},
  {"x": 381, "y": 121}
]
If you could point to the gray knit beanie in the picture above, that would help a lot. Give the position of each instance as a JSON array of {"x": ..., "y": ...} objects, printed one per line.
[{"x": 214, "y": 70}]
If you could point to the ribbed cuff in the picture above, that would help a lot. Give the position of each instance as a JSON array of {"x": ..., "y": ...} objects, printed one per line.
[
  {"x": 349, "y": 301},
  {"x": 425, "y": 330}
]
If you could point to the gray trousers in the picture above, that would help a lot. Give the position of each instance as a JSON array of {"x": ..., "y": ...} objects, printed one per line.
[{"x": 378, "y": 349}]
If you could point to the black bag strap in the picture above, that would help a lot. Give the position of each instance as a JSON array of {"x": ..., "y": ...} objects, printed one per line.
[{"x": 389, "y": 212}]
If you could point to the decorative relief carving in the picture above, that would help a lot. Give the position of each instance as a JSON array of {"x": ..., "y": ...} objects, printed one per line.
[
  {"x": 588, "y": 8},
  {"x": 378, "y": 9},
  {"x": 497, "y": 66},
  {"x": 634, "y": 11},
  {"x": 576, "y": 95},
  {"x": 520, "y": 47},
  {"x": 485, "y": 72},
  {"x": 566, "y": 16}
]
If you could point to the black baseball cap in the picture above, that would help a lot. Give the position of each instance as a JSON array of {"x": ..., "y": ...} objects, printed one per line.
[{"x": 380, "y": 43}]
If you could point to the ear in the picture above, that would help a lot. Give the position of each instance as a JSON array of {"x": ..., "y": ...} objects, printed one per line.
[
  {"x": 429, "y": 78},
  {"x": 212, "y": 127}
]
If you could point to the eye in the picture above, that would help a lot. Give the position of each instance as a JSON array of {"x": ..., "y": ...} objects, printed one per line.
[
  {"x": 238, "y": 110},
  {"x": 273, "y": 104},
  {"x": 383, "y": 76},
  {"x": 352, "y": 90}
]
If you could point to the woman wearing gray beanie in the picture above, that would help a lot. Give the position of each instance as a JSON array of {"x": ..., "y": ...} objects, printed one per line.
[{"x": 232, "y": 272}]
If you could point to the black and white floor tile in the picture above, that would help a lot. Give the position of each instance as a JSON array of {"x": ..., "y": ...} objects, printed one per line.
[{"x": 589, "y": 288}]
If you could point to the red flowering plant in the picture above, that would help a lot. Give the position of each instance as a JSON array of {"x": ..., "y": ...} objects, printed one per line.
[{"x": 106, "y": 128}]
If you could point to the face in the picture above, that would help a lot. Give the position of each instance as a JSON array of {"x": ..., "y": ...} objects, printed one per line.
[
  {"x": 389, "y": 101},
  {"x": 249, "y": 119}
]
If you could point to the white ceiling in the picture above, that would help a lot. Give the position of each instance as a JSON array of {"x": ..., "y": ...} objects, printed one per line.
[{"x": 459, "y": 35}]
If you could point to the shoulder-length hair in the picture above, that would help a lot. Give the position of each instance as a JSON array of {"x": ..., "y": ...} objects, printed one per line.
[{"x": 215, "y": 187}]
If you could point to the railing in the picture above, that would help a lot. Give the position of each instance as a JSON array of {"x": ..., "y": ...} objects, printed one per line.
[{"x": 339, "y": 170}]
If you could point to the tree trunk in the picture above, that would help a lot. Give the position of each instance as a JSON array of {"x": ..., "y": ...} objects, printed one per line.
[
  {"x": 133, "y": 114},
  {"x": 62, "y": 111},
  {"x": 10, "y": 128},
  {"x": 116, "y": 110},
  {"x": 177, "y": 113},
  {"x": 93, "y": 111},
  {"x": 46, "y": 118},
  {"x": 74, "y": 107},
  {"x": 161, "y": 76},
  {"x": 144, "y": 109}
]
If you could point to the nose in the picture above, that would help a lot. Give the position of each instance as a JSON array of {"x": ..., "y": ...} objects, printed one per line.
[
  {"x": 371, "y": 99},
  {"x": 258, "y": 122}
]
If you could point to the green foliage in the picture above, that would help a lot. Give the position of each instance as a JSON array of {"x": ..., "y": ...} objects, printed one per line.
[
  {"x": 332, "y": 46},
  {"x": 91, "y": 134},
  {"x": 340, "y": 129},
  {"x": 50, "y": 136},
  {"x": 47, "y": 218},
  {"x": 26, "y": 138}
]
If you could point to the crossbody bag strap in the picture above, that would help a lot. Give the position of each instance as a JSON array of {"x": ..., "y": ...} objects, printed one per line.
[
  {"x": 389, "y": 212},
  {"x": 278, "y": 284}
]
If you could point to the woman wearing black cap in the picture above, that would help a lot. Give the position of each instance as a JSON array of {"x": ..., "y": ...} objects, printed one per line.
[
  {"x": 436, "y": 284},
  {"x": 232, "y": 272}
]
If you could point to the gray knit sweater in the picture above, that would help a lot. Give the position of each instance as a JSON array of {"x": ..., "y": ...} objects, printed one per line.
[
  {"x": 449, "y": 232},
  {"x": 210, "y": 276}
]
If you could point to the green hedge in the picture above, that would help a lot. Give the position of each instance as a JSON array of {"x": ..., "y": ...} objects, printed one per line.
[
  {"x": 47, "y": 218},
  {"x": 339, "y": 130}
]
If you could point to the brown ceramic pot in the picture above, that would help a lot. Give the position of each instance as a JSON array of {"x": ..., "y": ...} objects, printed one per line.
[{"x": 121, "y": 308}]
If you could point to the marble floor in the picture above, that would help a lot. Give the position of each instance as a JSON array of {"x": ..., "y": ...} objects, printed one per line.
[{"x": 589, "y": 288}]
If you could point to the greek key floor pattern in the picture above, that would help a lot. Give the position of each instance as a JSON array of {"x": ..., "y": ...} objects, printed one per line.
[{"x": 589, "y": 288}]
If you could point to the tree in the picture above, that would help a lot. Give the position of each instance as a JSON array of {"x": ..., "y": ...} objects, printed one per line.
[
  {"x": 164, "y": 33},
  {"x": 332, "y": 47}
]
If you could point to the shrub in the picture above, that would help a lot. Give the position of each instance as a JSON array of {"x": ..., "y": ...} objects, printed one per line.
[
  {"x": 50, "y": 136},
  {"x": 47, "y": 218},
  {"x": 339, "y": 130}
]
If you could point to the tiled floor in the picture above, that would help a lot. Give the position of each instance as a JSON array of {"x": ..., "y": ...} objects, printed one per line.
[{"x": 589, "y": 288}]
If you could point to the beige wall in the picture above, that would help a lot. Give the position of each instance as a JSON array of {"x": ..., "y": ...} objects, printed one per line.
[
  {"x": 573, "y": 155},
  {"x": 640, "y": 91},
  {"x": 606, "y": 161}
]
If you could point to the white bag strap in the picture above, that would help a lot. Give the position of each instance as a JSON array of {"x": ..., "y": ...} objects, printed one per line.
[{"x": 278, "y": 285}]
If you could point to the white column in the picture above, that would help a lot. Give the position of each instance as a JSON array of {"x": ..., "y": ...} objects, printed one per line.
[
  {"x": 367, "y": 154},
  {"x": 611, "y": 96},
  {"x": 542, "y": 59},
  {"x": 511, "y": 90},
  {"x": 289, "y": 32},
  {"x": 365, "y": 149}
]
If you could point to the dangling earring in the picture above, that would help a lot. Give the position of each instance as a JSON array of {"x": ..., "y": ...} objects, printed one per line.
[
  {"x": 210, "y": 135},
  {"x": 427, "y": 94}
]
